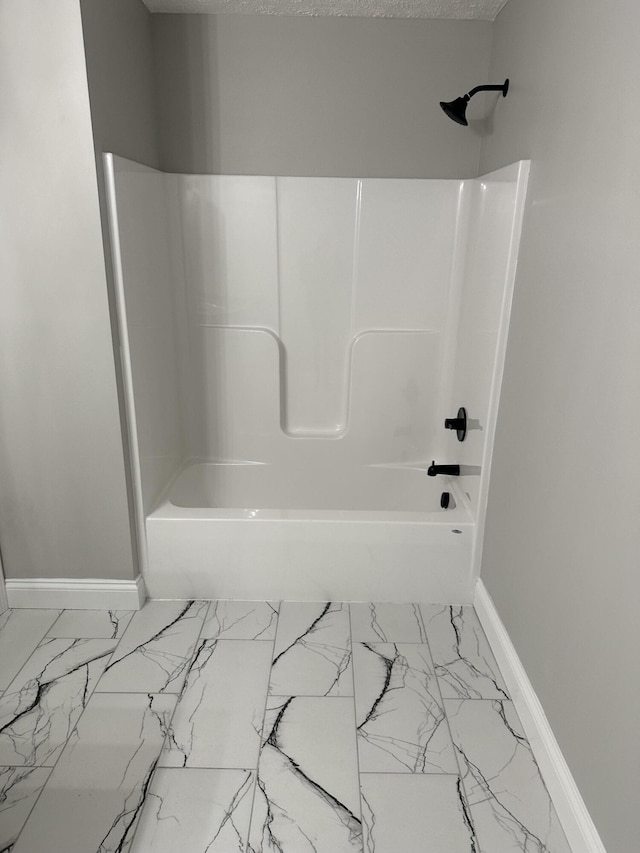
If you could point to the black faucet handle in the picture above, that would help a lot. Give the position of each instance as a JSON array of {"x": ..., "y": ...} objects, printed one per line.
[{"x": 458, "y": 423}]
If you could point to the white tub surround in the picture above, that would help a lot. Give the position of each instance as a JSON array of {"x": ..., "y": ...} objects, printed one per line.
[{"x": 293, "y": 347}]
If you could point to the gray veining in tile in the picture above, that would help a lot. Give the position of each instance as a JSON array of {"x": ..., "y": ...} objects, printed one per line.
[
  {"x": 155, "y": 652},
  {"x": 465, "y": 666},
  {"x": 20, "y": 633},
  {"x": 415, "y": 812},
  {"x": 307, "y": 790},
  {"x": 312, "y": 653},
  {"x": 218, "y": 721},
  {"x": 195, "y": 810},
  {"x": 387, "y": 623},
  {"x": 402, "y": 726},
  {"x": 19, "y": 789},
  {"x": 510, "y": 806},
  {"x": 44, "y": 701},
  {"x": 241, "y": 620},
  {"x": 86, "y": 624},
  {"x": 95, "y": 793},
  {"x": 133, "y": 776}
]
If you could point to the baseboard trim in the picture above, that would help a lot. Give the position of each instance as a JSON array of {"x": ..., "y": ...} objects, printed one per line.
[
  {"x": 572, "y": 811},
  {"x": 76, "y": 594}
]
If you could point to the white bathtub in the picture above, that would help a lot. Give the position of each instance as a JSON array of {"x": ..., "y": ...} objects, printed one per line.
[{"x": 254, "y": 531}]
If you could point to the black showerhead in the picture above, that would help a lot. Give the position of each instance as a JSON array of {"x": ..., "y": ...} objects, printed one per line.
[{"x": 456, "y": 110}]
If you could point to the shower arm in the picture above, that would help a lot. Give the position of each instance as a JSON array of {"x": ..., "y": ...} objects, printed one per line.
[{"x": 488, "y": 88}]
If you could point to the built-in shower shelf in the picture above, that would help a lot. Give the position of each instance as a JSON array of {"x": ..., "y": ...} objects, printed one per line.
[{"x": 385, "y": 388}]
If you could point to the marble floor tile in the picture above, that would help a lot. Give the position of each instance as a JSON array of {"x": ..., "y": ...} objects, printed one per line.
[
  {"x": 307, "y": 798},
  {"x": 20, "y": 633},
  {"x": 465, "y": 666},
  {"x": 415, "y": 813},
  {"x": 387, "y": 623},
  {"x": 42, "y": 704},
  {"x": 312, "y": 654},
  {"x": 510, "y": 806},
  {"x": 241, "y": 620},
  {"x": 19, "y": 790},
  {"x": 218, "y": 720},
  {"x": 401, "y": 723},
  {"x": 156, "y": 650},
  {"x": 195, "y": 810},
  {"x": 87, "y": 624},
  {"x": 95, "y": 793}
]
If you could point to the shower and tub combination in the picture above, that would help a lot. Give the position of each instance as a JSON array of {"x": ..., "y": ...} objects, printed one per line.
[{"x": 291, "y": 350}]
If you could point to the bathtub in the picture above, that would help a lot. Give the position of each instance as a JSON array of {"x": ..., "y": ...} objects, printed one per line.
[{"x": 256, "y": 531}]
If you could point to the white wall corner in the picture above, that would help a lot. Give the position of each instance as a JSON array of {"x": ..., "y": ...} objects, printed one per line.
[
  {"x": 576, "y": 821},
  {"x": 74, "y": 594}
]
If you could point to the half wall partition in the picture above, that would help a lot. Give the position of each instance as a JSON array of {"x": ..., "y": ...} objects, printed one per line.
[{"x": 291, "y": 348}]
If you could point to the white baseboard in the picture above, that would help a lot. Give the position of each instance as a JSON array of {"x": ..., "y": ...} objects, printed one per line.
[
  {"x": 575, "y": 819},
  {"x": 73, "y": 594}
]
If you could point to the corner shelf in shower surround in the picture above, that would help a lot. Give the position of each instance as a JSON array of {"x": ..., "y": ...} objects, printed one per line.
[{"x": 386, "y": 387}]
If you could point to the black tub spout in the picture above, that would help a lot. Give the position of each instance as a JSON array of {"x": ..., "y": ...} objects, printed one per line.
[{"x": 452, "y": 470}]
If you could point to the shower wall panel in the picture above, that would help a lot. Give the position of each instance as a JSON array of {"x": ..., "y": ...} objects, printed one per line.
[
  {"x": 495, "y": 203},
  {"x": 300, "y": 296},
  {"x": 406, "y": 240}
]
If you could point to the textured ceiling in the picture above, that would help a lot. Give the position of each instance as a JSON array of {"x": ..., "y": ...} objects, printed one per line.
[{"x": 483, "y": 10}]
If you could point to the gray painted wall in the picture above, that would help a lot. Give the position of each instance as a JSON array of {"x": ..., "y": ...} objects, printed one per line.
[
  {"x": 316, "y": 96},
  {"x": 63, "y": 500},
  {"x": 562, "y": 547},
  {"x": 118, "y": 53}
]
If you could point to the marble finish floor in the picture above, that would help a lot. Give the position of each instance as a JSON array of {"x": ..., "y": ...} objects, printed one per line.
[{"x": 262, "y": 727}]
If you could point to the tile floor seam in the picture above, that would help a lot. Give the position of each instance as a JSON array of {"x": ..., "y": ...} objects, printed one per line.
[
  {"x": 453, "y": 743},
  {"x": 355, "y": 722},
  {"x": 264, "y": 715},
  {"x": 55, "y": 621},
  {"x": 406, "y": 775}
]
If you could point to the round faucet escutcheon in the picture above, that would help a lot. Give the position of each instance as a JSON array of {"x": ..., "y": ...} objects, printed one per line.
[{"x": 459, "y": 423}]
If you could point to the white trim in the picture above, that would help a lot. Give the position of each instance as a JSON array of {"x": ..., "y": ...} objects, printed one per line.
[
  {"x": 125, "y": 360},
  {"x": 572, "y": 811},
  {"x": 73, "y": 594}
]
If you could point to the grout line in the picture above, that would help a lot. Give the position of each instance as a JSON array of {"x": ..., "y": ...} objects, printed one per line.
[
  {"x": 35, "y": 802},
  {"x": 379, "y": 642},
  {"x": 408, "y": 775},
  {"x": 355, "y": 722},
  {"x": 297, "y": 695},
  {"x": 239, "y": 639},
  {"x": 206, "y": 767},
  {"x": 264, "y": 714},
  {"x": 55, "y": 622},
  {"x": 453, "y": 746}
]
